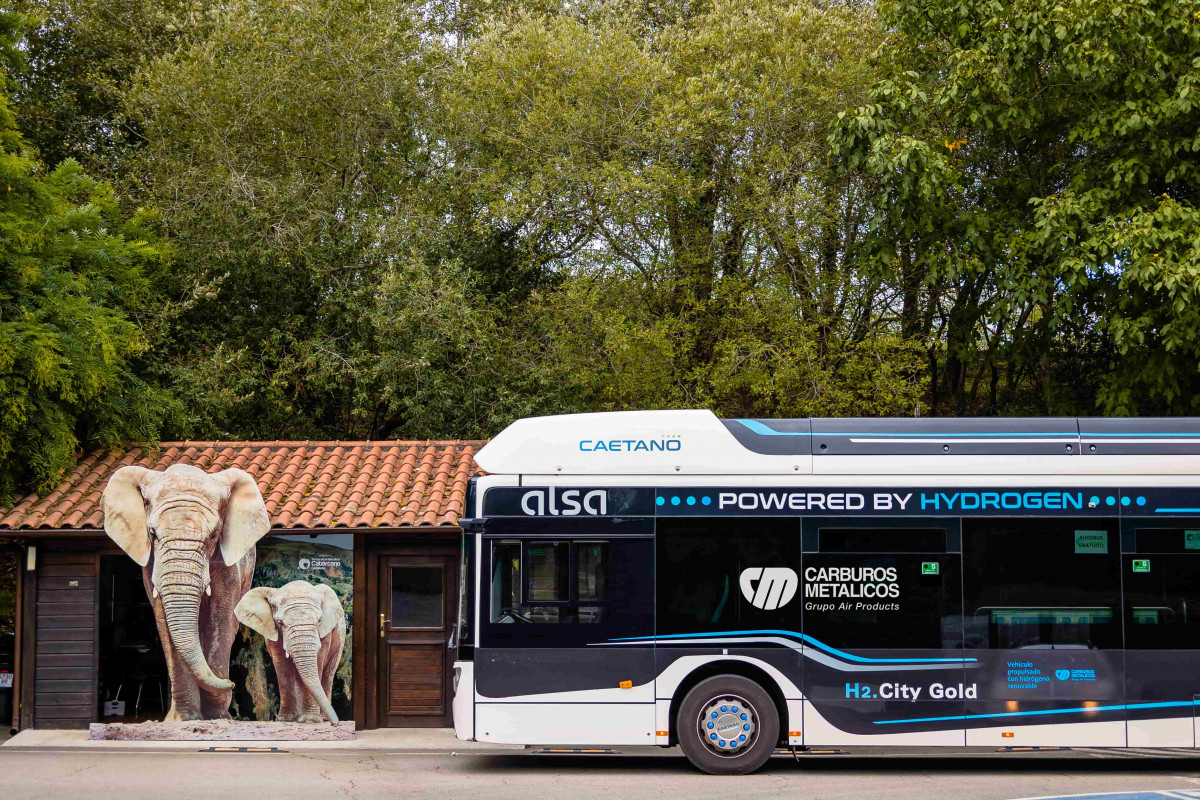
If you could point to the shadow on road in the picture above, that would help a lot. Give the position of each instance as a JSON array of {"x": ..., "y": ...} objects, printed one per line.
[{"x": 831, "y": 765}]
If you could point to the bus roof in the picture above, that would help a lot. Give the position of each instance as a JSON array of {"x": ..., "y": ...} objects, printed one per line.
[{"x": 698, "y": 442}]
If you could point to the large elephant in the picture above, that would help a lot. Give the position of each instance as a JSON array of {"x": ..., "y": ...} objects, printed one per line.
[
  {"x": 194, "y": 535},
  {"x": 312, "y": 625}
]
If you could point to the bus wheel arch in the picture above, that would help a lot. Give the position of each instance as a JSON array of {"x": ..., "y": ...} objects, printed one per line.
[{"x": 744, "y": 669}]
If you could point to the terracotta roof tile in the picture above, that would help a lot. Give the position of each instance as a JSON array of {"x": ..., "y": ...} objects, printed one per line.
[{"x": 306, "y": 485}]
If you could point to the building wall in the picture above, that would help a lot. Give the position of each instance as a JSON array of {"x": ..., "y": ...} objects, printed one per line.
[{"x": 65, "y": 660}]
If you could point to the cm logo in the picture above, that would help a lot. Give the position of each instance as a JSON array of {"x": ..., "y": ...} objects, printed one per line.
[{"x": 769, "y": 588}]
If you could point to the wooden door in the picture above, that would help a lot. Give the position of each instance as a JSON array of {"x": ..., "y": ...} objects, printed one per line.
[{"x": 416, "y": 612}]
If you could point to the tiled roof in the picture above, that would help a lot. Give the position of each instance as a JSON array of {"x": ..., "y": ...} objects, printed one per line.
[{"x": 306, "y": 485}]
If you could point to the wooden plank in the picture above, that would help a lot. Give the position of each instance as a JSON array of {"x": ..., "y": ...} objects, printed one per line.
[
  {"x": 416, "y": 711},
  {"x": 65, "y": 660},
  {"x": 50, "y": 648},
  {"x": 65, "y": 635},
  {"x": 83, "y": 713},
  {"x": 53, "y": 582},
  {"x": 46, "y": 700},
  {"x": 66, "y": 621},
  {"x": 65, "y": 673},
  {"x": 81, "y": 607},
  {"x": 73, "y": 571},
  {"x": 58, "y": 557},
  {"x": 54, "y": 597},
  {"x": 358, "y": 638},
  {"x": 425, "y": 685},
  {"x": 43, "y": 685},
  {"x": 27, "y": 633},
  {"x": 431, "y": 695}
]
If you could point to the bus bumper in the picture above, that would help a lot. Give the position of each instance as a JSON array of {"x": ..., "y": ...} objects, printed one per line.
[{"x": 463, "y": 707}]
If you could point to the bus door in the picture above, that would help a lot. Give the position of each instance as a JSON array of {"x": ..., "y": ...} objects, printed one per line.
[
  {"x": 1042, "y": 600},
  {"x": 1161, "y": 574},
  {"x": 883, "y": 632},
  {"x": 559, "y": 603}
]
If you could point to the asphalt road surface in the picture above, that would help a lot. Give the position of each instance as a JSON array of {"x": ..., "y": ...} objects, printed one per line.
[{"x": 865, "y": 773}]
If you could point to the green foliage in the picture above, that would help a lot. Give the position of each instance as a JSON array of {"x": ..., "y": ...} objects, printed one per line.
[
  {"x": 1037, "y": 164},
  {"x": 73, "y": 273},
  {"x": 80, "y": 58}
]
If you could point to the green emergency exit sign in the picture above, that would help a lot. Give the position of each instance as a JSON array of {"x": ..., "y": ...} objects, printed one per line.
[
  {"x": 1141, "y": 565},
  {"x": 930, "y": 567}
]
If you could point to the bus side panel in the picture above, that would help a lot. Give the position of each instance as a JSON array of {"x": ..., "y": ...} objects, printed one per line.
[
  {"x": 599, "y": 724},
  {"x": 1158, "y": 685},
  {"x": 565, "y": 675}
]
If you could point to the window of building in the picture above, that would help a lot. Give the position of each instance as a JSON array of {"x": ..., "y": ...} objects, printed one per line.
[{"x": 1041, "y": 583}]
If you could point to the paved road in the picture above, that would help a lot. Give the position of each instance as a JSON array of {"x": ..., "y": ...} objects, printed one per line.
[{"x": 892, "y": 773}]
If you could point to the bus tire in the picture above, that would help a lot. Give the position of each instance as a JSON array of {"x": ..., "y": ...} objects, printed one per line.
[{"x": 727, "y": 725}]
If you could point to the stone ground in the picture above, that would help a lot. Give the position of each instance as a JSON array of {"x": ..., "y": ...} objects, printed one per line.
[{"x": 127, "y": 774}]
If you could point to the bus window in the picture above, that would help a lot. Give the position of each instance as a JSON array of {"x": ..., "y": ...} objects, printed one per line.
[
  {"x": 1041, "y": 584},
  {"x": 548, "y": 571},
  {"x": 883, "y": 588},
  {"x": 506, "y": 579},
  {"x": 701, "y": 562},
  {"x": 549, "y": 593},
  {"x": 1162, "y": 590}
]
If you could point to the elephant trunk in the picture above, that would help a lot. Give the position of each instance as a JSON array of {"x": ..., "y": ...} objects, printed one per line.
[
  {"x": 181, "y": 578},
  {"x": 302, "y": 645}
]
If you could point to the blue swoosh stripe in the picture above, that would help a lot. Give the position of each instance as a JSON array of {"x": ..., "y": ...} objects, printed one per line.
[
  {"x": 1043, "y": 712},
  {"x": 819, "y": 645}
]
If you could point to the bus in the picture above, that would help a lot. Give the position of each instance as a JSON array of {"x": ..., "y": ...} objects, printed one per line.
[{"x": 738, "y": 587}]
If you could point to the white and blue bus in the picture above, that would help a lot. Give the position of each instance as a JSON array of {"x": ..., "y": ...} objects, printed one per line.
[{"x": 734, "y": 586}]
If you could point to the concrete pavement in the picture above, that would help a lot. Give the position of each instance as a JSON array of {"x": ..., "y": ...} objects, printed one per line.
[
  {"x": 416, "y": 740},
  {"x": 902, "y": 773}
]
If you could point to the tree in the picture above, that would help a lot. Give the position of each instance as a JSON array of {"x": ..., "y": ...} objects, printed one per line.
[
  {"x": 80, "y": 58},
  {"x": 677, "y": 174},
  {"x": 74, "y": 275},
  {"x": 1036, "y": 173}
]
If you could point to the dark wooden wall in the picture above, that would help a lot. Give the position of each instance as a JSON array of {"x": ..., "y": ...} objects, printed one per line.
[{"x": 65, "y": 662}]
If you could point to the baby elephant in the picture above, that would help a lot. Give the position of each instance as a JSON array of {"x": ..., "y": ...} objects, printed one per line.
[{"x": 313, "y": 628}]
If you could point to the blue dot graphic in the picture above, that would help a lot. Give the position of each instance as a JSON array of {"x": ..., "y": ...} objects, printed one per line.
[
  {"x": 662, "y": 501},
  {"x": 674, "y": 501},
  {"x": 1125, "y": 501},
  {"x": 691, "y": 501},
  {"x": 706, "y": 500},
  {"x": 1110, "y": 501},
  {"x": 1092, "y": 501},
  {"x": 1141, "y": 501}
]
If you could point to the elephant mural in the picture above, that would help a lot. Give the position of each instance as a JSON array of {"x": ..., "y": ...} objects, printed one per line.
[
  {"x": 305, "y": 629},
  {"x": 194, "y": 535}
]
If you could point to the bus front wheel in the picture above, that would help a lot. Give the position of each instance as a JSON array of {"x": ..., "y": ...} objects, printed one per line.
[{"x": 727, "y": 725}]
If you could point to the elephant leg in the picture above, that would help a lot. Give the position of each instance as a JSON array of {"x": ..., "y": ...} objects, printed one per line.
[
  {"x": 219, "y": 625},
  {"x": 185, "y": 692},
  {"x": 331, "y": 656},
  {"x": 288, "y": 682}
]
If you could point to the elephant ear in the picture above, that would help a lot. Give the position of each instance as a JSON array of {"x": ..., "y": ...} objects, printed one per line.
[
  {"x": 254, "y": 611},
  {"x": 125, "y": 512},
  {"x": 245, "y": 520},
  {"x": 332, "y": 614}
]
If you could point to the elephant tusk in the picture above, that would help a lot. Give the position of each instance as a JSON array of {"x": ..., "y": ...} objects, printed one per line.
[
  {"x": 154, "y": 593},
  {"x": 208, "y": 589}
]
